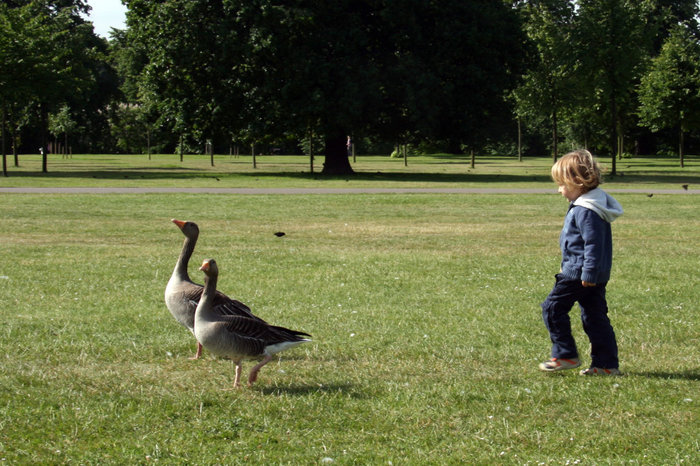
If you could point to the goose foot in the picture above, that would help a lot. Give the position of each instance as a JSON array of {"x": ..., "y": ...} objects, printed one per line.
[
  {"x": 254, "y": 371},
  {"x": 199, "y": 351}
]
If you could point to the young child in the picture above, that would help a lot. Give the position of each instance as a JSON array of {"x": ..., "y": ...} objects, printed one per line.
[{"x": 586, "y": 249}]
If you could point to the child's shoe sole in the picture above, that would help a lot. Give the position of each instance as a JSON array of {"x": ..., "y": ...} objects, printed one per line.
[
  {"x": 600, "y": 371},
  {"x": 559, "y": 364}
]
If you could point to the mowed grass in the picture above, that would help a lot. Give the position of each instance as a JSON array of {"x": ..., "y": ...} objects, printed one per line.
[
  {"x": 424, "y": 311},
  {"x": 440, "y": 170}
]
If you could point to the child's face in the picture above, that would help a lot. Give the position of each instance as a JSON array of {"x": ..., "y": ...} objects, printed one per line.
[{"x": 571, "y": 193}]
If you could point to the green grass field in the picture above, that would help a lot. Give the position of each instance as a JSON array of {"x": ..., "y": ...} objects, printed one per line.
[{"x": 424, "y": 310}]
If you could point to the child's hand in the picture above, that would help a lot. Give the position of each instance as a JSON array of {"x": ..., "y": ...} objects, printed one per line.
[{"x": 587, "y": 284}]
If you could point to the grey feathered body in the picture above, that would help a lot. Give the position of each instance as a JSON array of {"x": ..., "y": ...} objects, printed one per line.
[
  {"x": 239, "y": 337},
  {"x": 182, "y": 294}
]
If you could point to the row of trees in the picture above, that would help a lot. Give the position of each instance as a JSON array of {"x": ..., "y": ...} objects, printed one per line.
[
  {"x": 604, "y": 74},
  {"x": 602, "y": 71}
]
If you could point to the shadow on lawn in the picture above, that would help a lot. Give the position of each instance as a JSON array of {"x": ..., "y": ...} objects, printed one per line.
[
  {"x": 678, "y": 177},
  {"x": 528, "y": 174},
  {"x": 306, "y": 389},
  {"x": 134, "y": 173},
  {"x": 691, "y": 374}
]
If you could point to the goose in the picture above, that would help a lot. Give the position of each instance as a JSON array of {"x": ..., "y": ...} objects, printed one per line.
[
  {"x": 182, "y": 294},
  {"x": 238, "y": 337}
]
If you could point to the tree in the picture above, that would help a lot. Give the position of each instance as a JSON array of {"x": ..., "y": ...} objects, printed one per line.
[
  {"x": 669, "y": 93},
  {"x": 396, "y": 69},
  {"x": 185, "y": 58},
  {"x": 613, "y": 43},
  {"x": 265, "y": 68},
  {"x": 51, "y": 57},
  {"x": 17, "y": 63},
  {"x": 61, "y": 123},
  {"x": 546, "y": 87}
]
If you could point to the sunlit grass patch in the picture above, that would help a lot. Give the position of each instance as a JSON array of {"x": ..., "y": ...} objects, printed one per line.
[{"x": 424, "y": 311}]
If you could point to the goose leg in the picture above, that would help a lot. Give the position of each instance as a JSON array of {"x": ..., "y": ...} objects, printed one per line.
[
  {"x": 254, "y": 371},
  {"x": 237, "y": 380},
  {"x": 199, "y": 351}
]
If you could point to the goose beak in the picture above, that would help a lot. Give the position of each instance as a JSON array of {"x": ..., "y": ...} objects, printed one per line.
[
  {"x": 179, "y": 223},
  {"x": 205, "y": 266}
]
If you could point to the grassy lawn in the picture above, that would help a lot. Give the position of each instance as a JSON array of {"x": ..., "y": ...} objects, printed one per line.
[
  {"x": 424, "y": 310},
  {"x": 446, "y": 171}
]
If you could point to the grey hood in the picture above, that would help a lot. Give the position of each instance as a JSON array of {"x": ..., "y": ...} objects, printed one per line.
[{"x": 601, "y": 203}]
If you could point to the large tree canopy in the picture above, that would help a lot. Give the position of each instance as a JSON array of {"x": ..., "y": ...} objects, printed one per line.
[
  {"x": 400, "y": 69},
  {"x": 50, "y": 57},
  {"x": 670, "y": 92}
]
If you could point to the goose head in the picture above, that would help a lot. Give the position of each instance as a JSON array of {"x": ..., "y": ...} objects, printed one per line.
[
  {"x": 209, "y": 267},
  {"x": 189, "y": 229}
]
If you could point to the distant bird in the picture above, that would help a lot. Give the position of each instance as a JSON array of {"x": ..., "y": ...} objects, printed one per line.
[
  {"x": 280, "y": 234},
  {"x": 650, "y": 195},
  {"x": 182, "y": 294},
  {"x": 238, "y": 337},
  {"x": 685, "y": 186}
]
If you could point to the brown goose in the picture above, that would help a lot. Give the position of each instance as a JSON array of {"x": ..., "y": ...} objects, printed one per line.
[
  {"x": 182, "y": 294},
  {"x": 238, "y": 337}
]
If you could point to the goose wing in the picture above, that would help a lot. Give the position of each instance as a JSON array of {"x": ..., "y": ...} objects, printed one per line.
[
  {"x": 261, "y": 331},
  {"x": 229, "y": 306},
  {"x": 223, "y": 305}
]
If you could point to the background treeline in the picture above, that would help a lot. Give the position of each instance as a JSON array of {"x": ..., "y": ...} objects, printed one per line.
[{"x": 500, "y": 77}]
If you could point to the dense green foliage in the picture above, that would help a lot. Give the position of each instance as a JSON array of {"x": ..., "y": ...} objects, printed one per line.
[
  {"x": 51, "y": 60},
  {"x": 401, "y": 70},
  {"x": 268, "y": 73},
  {"x": 670, "y": 92}
]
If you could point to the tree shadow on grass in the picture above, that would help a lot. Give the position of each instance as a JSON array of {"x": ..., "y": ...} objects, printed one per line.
[
  {"x": 135, "y": 173},
  {"x": 626, "y": 175},
  {"x": 680, "y": 177}
]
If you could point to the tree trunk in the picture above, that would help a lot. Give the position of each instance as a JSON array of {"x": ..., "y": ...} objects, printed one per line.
[
  {"x": 680, "y": 146},
  {"x": 555, "y": 136},
  {"x": 613, "y": 135},
  {"x": 44, "y": 137},
  {"x": 336, "y": 161},
  {"x": 520, "y": 141},
  {"x": 4, "y": 155},
  {"x": 15, "y": 143},
  {"x": 311, "y": 151}
]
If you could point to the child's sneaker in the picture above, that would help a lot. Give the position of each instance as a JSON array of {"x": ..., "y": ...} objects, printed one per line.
[
  {"x": 600, "y": 371},
  {"x": 559, "y": 364}
]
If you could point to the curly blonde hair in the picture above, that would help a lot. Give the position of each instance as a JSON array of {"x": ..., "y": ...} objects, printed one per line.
[{"x": 577, "y": 169}]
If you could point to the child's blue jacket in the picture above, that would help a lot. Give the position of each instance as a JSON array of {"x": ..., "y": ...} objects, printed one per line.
[{"x": 586, "y": 238}]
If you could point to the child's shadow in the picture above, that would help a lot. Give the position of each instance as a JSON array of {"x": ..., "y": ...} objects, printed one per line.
[{"x": 691, "y": 374}]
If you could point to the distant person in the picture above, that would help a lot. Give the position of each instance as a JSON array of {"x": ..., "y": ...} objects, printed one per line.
[
  {"x": 348, "y": 145},
  {"x": 586, "y": 249}
]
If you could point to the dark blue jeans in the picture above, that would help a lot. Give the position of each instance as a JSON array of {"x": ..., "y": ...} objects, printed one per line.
[{"x": 594, "y": 316}]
